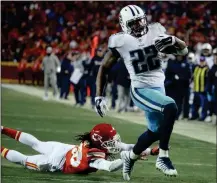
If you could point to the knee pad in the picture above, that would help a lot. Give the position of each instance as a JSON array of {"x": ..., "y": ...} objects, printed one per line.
[{"x": 171, "y": 109}]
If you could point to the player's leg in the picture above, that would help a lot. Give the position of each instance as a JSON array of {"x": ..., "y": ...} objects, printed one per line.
[
  {"x": 121, "y": 97},
  {"x": 13, "y": 156},
  {"x": 30, "y": 140},
  {"x": 153, "y": 101},
  {"x": 46, "y": 85},
  {"x": 35, "y": 162},
  {"x": 53, "y": 78},
  {"x": 155, "y": 98}
]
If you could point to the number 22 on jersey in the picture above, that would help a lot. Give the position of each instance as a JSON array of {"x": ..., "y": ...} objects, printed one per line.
[{"x": 145, "y": 59}]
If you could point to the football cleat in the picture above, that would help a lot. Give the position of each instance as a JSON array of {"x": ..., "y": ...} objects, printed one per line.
[
  {"x": 127, "y": 165},
  {"x": 165, "y": 165}
]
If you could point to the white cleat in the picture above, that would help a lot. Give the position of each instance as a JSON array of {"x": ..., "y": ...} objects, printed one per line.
[
  {"x": 127, "y": 165},
  {"x": 165, "y": 165}
]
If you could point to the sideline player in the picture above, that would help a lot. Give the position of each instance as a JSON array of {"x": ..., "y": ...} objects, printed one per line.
[
  {"x": 91, "y": 155},
  {"x": 140, "y": 45}
]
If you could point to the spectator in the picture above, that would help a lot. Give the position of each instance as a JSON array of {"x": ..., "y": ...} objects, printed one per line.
[
  {"x": 60, "y": 22},
  {"x": 212, "y": 85},
  {"x": 177, "y": 84},
  {"x": 66, "y": 71},
  {"x": 123, "y": 87},
  {"x": 50, "y": 65},
  {"x": 200, "y": 94},
  {"x": 77, "y": 78},
  {"x": 93, "y": 68},
  {"x": 36, "y": 70},
  {"x": 21, "y": 71}
]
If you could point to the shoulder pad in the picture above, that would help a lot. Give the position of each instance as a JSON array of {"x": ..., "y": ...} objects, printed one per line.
[
  {"x": 157, "y": 27},
  {"x": 116, "y": 40}
]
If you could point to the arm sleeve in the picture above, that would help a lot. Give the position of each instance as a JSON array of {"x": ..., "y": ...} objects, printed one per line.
[{"x": 102, "y": 164}]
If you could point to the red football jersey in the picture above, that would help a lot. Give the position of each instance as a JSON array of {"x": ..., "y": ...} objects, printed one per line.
[{"x": 79, "y": 157}]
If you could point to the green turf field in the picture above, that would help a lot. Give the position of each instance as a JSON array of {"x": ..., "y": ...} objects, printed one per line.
[{"x": 194, "y": 160}]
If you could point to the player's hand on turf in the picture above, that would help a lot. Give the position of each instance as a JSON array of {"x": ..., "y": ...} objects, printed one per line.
[
  {"x": 100, "y": 106},
  {"x": 163, "y": 41}
]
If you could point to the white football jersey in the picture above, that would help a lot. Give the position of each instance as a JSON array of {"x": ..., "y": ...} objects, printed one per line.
[{"x": 140, "y": 56}]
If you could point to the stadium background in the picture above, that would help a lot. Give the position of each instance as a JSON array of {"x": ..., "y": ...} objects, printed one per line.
[{"x": 29, "y": 27}]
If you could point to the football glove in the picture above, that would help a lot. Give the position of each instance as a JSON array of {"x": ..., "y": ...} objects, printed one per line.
[
  {"x": 163, "y": 41},
  {"x": 100, "y": 106}
]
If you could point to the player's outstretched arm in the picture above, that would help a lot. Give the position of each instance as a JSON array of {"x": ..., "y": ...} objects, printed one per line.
[
  {"x": 108, "y": 61},
  {"x": 110, "y": 166}
]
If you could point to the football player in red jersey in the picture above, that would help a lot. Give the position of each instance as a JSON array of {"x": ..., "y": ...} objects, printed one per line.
[{"x": 90, "y": 155}]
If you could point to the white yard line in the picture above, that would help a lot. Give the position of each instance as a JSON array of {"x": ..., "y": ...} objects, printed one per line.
[{"x": 197, "y": 130}]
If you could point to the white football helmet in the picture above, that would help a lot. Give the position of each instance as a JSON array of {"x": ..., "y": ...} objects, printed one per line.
[
  {"x": 206, "y": 49},
  {"x": 133, "y": 20}
]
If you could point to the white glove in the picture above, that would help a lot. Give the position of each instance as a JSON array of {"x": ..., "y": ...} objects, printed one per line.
[
  {"x": 163, "y": 41},
  {"x": 100, "y": 106}
]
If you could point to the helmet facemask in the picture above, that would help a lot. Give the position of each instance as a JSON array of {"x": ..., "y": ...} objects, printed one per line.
[
  {"x": 111, "y": 145},
  {"x": 137, "y": 27}
]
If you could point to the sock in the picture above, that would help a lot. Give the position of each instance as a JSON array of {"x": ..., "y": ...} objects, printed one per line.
[
  {"x": 11, "y": 133},
  {"x": 13, "y": 156},
  {"x": 163, "y": 153},
  {"x": 4, "y": 152},
  {"x": 166, "y": 126},
  {"x": 144, "y": 141}
]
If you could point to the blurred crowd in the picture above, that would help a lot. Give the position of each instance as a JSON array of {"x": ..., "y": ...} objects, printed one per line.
[
  {"x": 29, "y": 27},
  {"x": 68, "y": 40}
]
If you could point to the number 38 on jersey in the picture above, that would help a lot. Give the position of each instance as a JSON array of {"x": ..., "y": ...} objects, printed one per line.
[{"x": 145, "y": 59}]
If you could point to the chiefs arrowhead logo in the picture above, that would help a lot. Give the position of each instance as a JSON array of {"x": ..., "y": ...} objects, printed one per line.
[{"x": 96, "y": 137}]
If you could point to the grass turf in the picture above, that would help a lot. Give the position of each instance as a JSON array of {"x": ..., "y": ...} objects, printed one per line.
[{"x": 195, "y": 160}]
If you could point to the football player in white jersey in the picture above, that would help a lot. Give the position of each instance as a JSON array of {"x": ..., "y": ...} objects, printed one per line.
[{"x": 139, "y": 45}]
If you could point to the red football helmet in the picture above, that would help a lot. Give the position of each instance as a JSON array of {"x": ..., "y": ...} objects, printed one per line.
[{"x": 105, "y": 137}]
